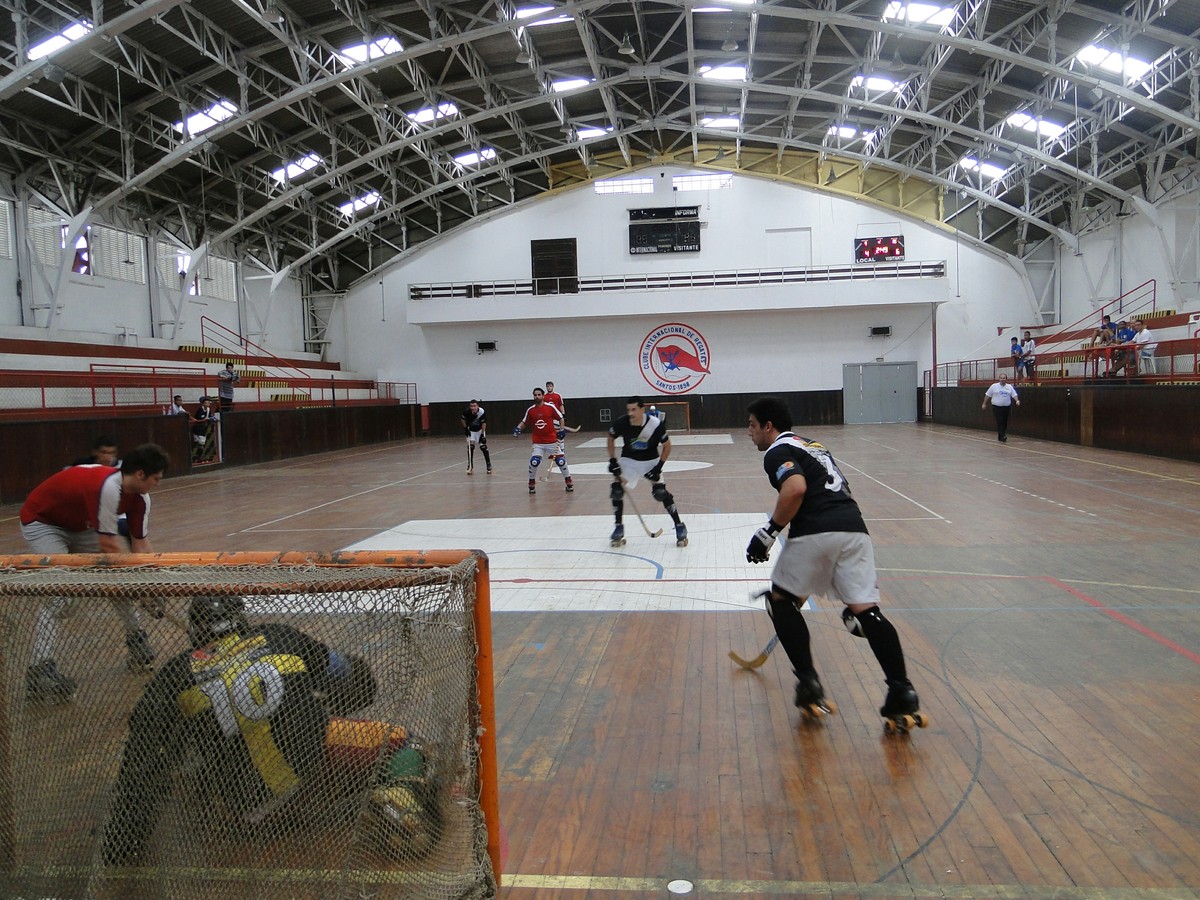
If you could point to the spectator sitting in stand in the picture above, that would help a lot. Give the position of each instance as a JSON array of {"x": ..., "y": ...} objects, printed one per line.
[
  {"x": 1142, "y": 352},
  {"x": 1105, "y": 334},
  {"x": 176, "y": 408},
  {"x": 1122, "y": 354}
]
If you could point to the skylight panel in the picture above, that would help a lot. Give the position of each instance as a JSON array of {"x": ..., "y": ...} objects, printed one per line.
[
  {"x": 529, "y": 12},
  {"x": 1110, "y": 61},
  {"x": 721, "y": 9},
  {"x": 918, "y": 14},
  {"x": 60, "y": 40},
  {"x": 200, "y": 122},
  {"x": 723, "y": 73},
  {"x": 584, "y": 133},
  {"x": 721, "y": 122},
  {"x": 876, "y": 83},
  {"x": 986, "y": 169},
  {"x": 843, "y": 131},
  {"x": 1038, "y": 126},
  {"x": 358, "y": 204},
  {"x": 358, "y": 54},
  {"x": 474, "y": 159},
  {"x": 429, "y": 113},
  {"x": 570, "y": 84},
  {"x": 295, "y": 169}
]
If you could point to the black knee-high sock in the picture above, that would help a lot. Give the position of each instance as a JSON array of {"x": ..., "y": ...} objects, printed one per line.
[
  {"x": 885, "y": 644},
  {"x": 792, "y": 629}
]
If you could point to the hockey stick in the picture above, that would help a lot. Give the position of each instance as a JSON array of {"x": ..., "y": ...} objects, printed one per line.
[
  {"x": 574, "y": 430},
  {"x": 633, "y": 506},
  {"x": 752, "y": 664}
]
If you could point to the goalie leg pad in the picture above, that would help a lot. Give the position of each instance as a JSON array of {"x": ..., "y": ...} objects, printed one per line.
[{"x": 784, "y": 609}]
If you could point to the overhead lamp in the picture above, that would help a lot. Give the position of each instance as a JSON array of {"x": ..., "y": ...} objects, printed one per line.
[
  {"x": 720, "y": 153},
  {"x": 54, "y": 74},
  {"x": 730, "y": 44},
  {"x": 523, "y": 58},
  {"x": 272, "y": 14},
  {"x": 626, "y": 48}
]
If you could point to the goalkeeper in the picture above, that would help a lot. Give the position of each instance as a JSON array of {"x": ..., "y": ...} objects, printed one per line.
[{"x": 247, "y": 707}]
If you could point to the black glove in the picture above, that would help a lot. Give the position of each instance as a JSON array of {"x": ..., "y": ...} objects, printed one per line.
[
  {"x": 655, "y": 473},
  {"x": 614, "y": 467},
  {"x": 759, "y": 548}
]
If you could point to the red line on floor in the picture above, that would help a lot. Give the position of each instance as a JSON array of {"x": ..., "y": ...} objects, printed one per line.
[{"x": 1128, "y": 622}]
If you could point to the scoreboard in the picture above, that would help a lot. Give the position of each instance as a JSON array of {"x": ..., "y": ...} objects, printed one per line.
[
  {"x": 874, "y": 249},
  {"x": 670, "y": 229}
]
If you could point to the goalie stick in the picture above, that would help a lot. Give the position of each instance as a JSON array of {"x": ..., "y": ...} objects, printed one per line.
[
  {"x": 752, "y": 664},
  {"x": 633, "y": 506}
]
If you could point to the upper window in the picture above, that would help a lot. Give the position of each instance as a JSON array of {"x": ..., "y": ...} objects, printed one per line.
[
  {"x": 1110, "y": 61},
  {"x": 430, "y": 113},
  {"x": 6, "y": 231},
  {"x": 294, "y": 170},
  {"x": 528, "y": 12},
  {"x": 202, "y": 121},
  {"x": 624, "y": 186},
  {"x": 918, "y": 14},
  {"x": 723, "y": 73},
  {"x": 721, "y": 122},
  {"x": 358, "y": 204},
  {"x": 708, "y": 181},
  {"x": 358, "y": 54},
  {"x": 60, "y": 40}
]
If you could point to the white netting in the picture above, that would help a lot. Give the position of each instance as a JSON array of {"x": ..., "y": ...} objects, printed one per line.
[{"x": 260, "y": 766}]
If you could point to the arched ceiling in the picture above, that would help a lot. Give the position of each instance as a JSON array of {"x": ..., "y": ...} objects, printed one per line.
[{"x": 805, "y": 89}]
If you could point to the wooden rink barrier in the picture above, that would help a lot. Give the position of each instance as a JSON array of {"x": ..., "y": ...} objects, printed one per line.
[{"x": 486, "y": 776}]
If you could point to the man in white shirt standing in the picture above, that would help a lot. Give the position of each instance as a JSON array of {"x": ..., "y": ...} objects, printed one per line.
[{"x": 1002, "y": 396}]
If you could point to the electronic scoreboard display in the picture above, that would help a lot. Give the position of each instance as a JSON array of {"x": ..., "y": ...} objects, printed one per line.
[
  {"x": 876, "y": 249},
  {"x": 671, "y": 229}
]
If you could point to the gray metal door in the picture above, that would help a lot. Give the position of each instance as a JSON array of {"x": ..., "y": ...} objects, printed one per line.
[{"x": 875, "y": 393}]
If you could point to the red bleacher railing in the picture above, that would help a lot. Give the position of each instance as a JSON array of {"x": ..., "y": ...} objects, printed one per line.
[
  {"x": 215, "y": 335},
  {"x": 1174, "y": 362},
  {"x": 1140, "y": 300}
]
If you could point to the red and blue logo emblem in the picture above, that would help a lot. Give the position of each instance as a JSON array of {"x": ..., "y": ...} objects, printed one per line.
[{"x": 674, "y": 358}]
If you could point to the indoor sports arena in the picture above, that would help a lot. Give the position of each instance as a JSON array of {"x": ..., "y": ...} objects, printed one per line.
[{"x": 599, "y": 450}]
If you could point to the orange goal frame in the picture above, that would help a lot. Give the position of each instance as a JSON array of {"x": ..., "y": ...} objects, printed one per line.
[{"x": 489, "y": 794}]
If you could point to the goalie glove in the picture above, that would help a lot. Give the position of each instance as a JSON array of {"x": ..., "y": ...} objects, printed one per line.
[
  {"x": 759, "y": 548},
  {"x": 517, "y": 431},
  {"x": 655, "y": 473},
  {"x": 614, "y": 467}
]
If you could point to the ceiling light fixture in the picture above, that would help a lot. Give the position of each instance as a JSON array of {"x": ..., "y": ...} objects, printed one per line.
[
  {"x": 626, "y": 48},
  {"x": 272, "y": 14},
  {"x": 730, "y": 44},
  {"x": 523, "y": 58}
]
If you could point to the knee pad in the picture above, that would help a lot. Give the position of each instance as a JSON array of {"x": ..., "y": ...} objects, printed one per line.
[
  {"x": 858, "y": 625},
  {"x": 616, "y": 492},
  {"x": 661, "y": 494},
  {"x": 560, "y": 461},
  {"x": 777, "y": 595},
  {"x": 535, "y": 461},
  {"x": 483, "y": 441}
]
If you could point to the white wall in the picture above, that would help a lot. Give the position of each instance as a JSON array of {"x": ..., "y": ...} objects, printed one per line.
[{"x": 588, "y": 344}]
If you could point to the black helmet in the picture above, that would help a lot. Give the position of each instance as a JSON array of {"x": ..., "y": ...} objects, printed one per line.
[{"x": 211, "y": 616}]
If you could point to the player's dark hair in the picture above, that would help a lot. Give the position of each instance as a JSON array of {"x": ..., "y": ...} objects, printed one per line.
[
  {"x": 538, "y": 390},
  {"x": 149, "y": 459},
  {"x": 635, "y": 400},
  {"x": 773, "y": 410},
  {"x": 104, "y": 440}
]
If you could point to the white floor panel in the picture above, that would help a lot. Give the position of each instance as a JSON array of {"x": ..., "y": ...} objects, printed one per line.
[
  {"x": 678, "y": 440},
  {"x": 566, "y": 563}
]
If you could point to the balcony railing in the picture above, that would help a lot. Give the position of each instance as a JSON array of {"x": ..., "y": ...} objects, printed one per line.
[
  {"x": 670, "y": 281},
  {"x": 1174, "y": 362}
]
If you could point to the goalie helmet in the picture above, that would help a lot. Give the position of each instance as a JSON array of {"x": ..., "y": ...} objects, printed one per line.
[{"x": 211, "y": 616}]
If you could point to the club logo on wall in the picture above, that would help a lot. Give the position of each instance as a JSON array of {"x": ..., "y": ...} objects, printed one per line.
[{"x": 674, "y": 358}]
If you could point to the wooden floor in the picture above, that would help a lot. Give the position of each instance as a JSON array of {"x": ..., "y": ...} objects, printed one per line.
[{"x": 1046, "y": 595}]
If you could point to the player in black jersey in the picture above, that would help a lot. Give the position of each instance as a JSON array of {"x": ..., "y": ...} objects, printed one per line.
[
  {"x": 828, "y": 551},
  {"x": 474, "y": 420},
  {"x": 247, "y": 708},
  {"x": 645, "y": 448}
]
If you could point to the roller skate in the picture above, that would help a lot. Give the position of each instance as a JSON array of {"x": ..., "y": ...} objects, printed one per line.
[
  {"x": 45, "y": 684},
  {"x": 900, "y": 709},
  {"x": 680, "y": 535},
  {"x": 811, "y": 699},
  {"x": 570, "y": 486},
  {"x": 617, "y": 538},
  {"x": 141, "y": 657},
  {"x": 532, "y": 486}
]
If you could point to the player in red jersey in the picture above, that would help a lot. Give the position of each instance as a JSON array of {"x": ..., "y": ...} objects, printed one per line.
[
  {"x": 75, "y": 511},
  {"x": 543, "y": 422}
]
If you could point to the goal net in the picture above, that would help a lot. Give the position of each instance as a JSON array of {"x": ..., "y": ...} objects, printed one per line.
[{"x": 311, "y": 726}]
